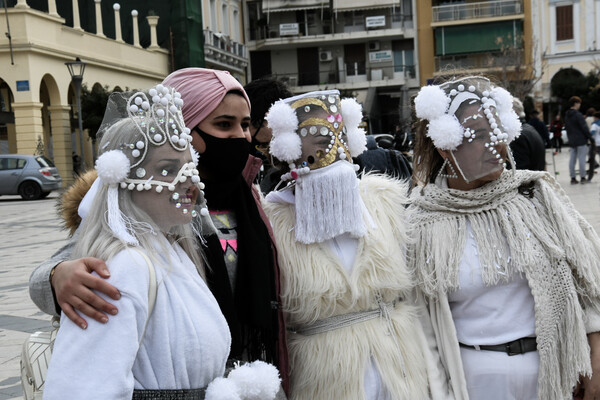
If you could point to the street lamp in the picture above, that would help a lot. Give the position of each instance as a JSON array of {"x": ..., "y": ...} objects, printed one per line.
[{"x": 76, "y": 69}]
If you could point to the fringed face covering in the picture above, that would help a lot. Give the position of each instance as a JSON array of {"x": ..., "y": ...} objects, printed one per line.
[{"x": 522, "y": 223}]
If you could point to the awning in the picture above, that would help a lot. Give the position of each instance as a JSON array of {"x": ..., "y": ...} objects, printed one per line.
[
  {"x": 292, "y": 5},
  {"x": 347, "y": 5}
]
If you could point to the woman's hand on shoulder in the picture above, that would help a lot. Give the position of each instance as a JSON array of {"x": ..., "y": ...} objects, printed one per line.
[{"x": 74, "y": 284}]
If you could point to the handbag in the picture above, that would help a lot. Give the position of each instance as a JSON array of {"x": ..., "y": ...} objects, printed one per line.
[{"x": 37, "y": 349}]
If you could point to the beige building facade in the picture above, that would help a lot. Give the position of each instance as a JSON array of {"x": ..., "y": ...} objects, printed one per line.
[
  {"x": 568, "y": 33},
  {"x": 37, "y": 97},
  {"x": 224, "y": 40}
]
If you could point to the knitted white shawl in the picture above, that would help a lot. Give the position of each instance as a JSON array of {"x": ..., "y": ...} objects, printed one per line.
[{"x": 549, "y": 241}]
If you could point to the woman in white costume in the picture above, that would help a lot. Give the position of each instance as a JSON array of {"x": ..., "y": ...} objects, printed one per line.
[
  {"x": 139, "y": 221},
  {"x": 353, "y": 327},
  {"x": 509, "y": 269}
]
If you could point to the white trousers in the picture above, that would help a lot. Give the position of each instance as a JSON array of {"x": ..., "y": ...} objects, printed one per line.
[{"x": 494, "y": 375}]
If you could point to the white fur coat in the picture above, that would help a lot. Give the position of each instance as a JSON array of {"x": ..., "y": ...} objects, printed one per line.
[{"x": 331, "y": 365}]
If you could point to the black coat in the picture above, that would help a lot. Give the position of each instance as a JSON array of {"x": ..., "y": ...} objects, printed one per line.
[
  {"x": 541, "y": 129},
  {"x": 577, "y": 130},
  {"x": 528, "y": 150}
]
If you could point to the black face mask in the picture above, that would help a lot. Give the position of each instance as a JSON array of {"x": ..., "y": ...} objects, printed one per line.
[{"x": 223, "y": 159}]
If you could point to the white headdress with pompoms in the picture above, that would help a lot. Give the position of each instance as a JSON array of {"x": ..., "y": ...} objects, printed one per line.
[
  {"x": 315, "y": 115},
  {"x": 438, "y": 105},
  {"x": 157, "y": 117}
]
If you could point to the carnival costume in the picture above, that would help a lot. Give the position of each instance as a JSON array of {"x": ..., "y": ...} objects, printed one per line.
[
  {"x": 177, "y": 346},
  {"x": 527, "y": 239},
  {"x": 353, "y": 330}
]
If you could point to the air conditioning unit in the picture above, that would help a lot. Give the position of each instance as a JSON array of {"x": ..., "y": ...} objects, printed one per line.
[
  {"x": 325, "y": 56},
  {"x": 373, "y": 46}
]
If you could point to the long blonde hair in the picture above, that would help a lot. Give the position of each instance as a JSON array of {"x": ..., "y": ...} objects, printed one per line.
[{"x": 96, "y": 239}]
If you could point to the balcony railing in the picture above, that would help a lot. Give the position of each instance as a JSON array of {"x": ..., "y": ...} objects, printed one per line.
[
  {"x": 491, "y": 60},
  {"x": 487, "y": 9},
  {"x": 352, "y": 73},
  {"x": 224, "y": 43}
]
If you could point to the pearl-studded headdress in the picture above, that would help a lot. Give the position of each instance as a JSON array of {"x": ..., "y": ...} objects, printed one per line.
[
  {"x": 438, "y": 105},
  {"x": 310, "y": 117},
  {"x": 317, "y": 134},
  {"x": 156, "y": 120},
  {"x": 474, "y": 121}
]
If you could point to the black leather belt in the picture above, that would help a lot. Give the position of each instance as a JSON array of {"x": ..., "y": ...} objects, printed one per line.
[{"x": 519, "y": 346}]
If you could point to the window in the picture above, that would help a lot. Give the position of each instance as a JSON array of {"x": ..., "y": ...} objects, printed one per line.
[
  {"x": 12, "y": 163},
  {"x": 225, "y": 19},
  {"x": 564, "y": 22},
  {"x": 213, "y": 16}
]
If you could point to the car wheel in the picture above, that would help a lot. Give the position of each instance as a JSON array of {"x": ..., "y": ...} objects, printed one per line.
[
  {"x": 30, "y": 190},
  {"x": 44, "y": 195}
]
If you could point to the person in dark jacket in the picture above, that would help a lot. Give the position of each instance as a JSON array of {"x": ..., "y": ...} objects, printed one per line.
[
  {"x": 528, "y": 149},
  {"x": 579, "y": 136},
  {"x": 540, "y": 127},
  {"x": 385, "y": 161}
]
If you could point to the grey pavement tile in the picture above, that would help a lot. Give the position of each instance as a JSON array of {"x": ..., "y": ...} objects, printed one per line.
[{"x": 23, "y": 324}]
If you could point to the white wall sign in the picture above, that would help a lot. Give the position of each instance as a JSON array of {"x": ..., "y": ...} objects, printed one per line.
[
  {"x": 373, "y": 22},
  {"x": 380, "y": 56},
  {"x": 288, "y": 29}
]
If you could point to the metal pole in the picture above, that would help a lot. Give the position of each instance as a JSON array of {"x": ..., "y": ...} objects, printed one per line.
[
  {"x": 77, "y": 82},
  {"x": 12, "y": 61}
]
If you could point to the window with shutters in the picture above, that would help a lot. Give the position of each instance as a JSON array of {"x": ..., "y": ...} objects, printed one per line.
[{"x": 564, "y": 22}]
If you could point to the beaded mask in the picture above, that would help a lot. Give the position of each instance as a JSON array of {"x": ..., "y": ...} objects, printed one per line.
[
  {"x": 141, "y": 132},
  {"x": 315, "y": 130},
  {"x": 473, "y": 120}
]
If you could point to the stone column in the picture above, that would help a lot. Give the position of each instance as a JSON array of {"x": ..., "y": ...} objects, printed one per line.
[
  {"x": 21, "y": 4},
  {"x": 118, "y": 36},
  {"x": 99, "y": 28},
  {"x": 28, "y": 124},
  {"x": 76, "y": 23},
  {"x": 52, "y": 8},
  {"x": 136, "y": 32},
  {"x": 61, "y": 138},
  {"x": 153, "y": 21}
]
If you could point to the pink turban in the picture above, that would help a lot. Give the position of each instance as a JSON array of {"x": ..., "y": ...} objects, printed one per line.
[{"x": 202, "y": 90}]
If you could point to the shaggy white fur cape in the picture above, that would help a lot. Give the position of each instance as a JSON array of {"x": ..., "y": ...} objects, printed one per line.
[{"x": 314, "y": 285}]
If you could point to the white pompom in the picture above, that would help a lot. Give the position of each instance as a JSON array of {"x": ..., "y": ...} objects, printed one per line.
[
  {"x": 431, "y": 103},
  {"x": 222, "y": 389},
  {"x": 357, "y": 141},
  {"x": 351, "y": 112},
  {"x": 113, "y": 167},
  {"x": 286, "y": 144},
  {"x": 511, "y": 123},
  {"x": 446, "y": 132},
  {"x": 502, "y": 98},
  {"x": 282, "y": 117},
  {"x": 269, "y": 379},
  {"x": 256, "y": 381},
  {"x": 246, "y": 381}
]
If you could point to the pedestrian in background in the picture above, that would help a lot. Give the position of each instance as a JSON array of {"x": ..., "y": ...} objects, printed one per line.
[
  {"x": 528, "y": 149},
  {"x": 262, "y": 94},
  {"x": 540, "y": 127},
  {"x": 556, "y": 128},
  {"x": 579, "y": 136}
]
